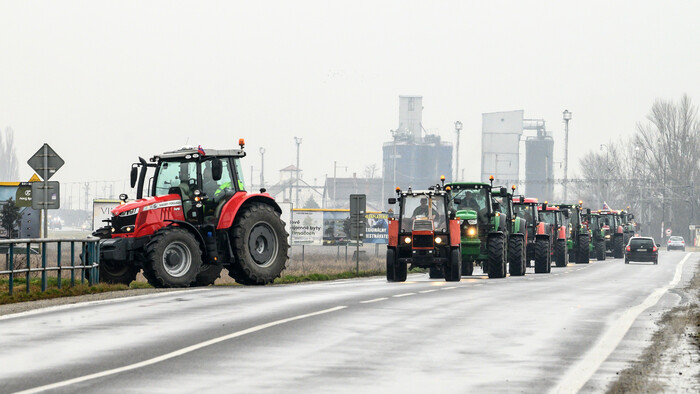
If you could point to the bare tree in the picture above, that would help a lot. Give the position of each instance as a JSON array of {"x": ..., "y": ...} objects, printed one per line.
[
  {"x": 371, "y": 170},
  {"x": 9, "y": 167}
]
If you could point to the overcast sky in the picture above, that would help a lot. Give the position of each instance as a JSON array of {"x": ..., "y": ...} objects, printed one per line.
[{"x": 105, "y": 82}]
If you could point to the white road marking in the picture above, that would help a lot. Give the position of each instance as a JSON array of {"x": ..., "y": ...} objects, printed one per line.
[
  {"x": 176, "y": 353},
  {"x": 374, "y": 300},
  {"x": 449, "y": 288},
  {"x": 403, "y": 295},
  {"x": 427, "y": 291},
  {"x": 579, "y": 373}
]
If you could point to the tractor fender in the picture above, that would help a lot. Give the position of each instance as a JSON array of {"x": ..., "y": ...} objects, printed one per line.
[
  {"x": 455, "y": 233},
  {"x": 619, "y": 230},
  {"x": 393, "y": 232},
  {"x": 561, "y": 234},
  {"x": 192, "y": 229},
  {"x": 234, "y": 204},
  {"x": 540, "y": 229}
]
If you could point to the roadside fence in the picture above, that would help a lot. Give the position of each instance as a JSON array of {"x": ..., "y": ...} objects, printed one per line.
[{"x": 49, "y": 257}]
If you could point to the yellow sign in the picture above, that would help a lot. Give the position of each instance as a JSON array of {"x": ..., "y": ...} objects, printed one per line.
[{"x": 35, "y": 178}]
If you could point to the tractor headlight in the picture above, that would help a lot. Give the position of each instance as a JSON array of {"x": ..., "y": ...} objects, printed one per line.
[
  {"x": 438, "y": 240},
  {"x": 407, "y": 240},
  {"x": 127, "y": 229},
  {"x": 471, "y": 231},
  {"x": 607, "y": 236}
]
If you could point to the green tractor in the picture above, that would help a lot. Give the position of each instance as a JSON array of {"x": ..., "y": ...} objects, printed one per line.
[
  {"x": 490, "y": 233},
  {"x": 597, "y": 246},
  {"x": 629, "y": 227},
  {"x": 614, "y": 232},
  {"x": 578, "y": 244}
]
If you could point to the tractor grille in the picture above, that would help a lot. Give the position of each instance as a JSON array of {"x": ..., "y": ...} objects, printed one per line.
[
  {"x": 118, "y": 222},
  {"x": 423, "y": 241},
  {"x": 423, "y": 225}
]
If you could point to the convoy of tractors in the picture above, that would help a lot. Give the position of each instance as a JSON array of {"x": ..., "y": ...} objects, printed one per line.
[
  {"x": 198, "y": 218},
  {"x": 491, "y": 226}
]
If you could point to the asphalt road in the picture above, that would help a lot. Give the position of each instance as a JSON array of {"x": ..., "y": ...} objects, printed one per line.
[{"x": 553, "y": 332}]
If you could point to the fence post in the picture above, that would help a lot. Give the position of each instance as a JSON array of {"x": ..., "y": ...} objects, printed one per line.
[
  {"x": 29, "y": 263},
  {"x": 58, "y": 263},
  {"x": 72, "y": 263},
  {"x": 12, "y": 267},
  {"x": 43, "y": 267},
  {"x": 97, "y": 260}
]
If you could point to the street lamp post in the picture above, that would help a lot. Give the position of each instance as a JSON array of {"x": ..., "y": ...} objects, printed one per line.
[
  {"x": 298, "y": 142},
  {"x": 607, "y": 167},
  {"x": 567, "y": 118},
  {"x": 262, "y": 167},
  {"x": 458, "y": 128}
]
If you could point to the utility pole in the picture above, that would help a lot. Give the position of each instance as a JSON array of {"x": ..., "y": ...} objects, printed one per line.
[
  {"x": 567, "y": 118},
  {"x": 298, "y": 142},
  {"x": 335, "y": 168},
  {"x": 262, "y": 167},
  {"x": 458, "y": 128}
]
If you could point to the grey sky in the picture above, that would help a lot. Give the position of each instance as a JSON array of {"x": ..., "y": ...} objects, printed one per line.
[{"x": 104, "y": 82}]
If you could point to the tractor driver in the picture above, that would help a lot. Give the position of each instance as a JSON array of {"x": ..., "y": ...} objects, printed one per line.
[
  {"x": 469, "y": 202},
  {"x": 422, "y": 209}
]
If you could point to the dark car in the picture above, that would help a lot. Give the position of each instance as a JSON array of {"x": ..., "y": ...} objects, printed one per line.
[
  {"x": 676, "y": 242},
  {"x": 642, "y": 249}
]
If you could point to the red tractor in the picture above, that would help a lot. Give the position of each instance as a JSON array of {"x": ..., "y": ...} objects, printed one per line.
[
  {"x": 558, "y": 222},
  {"x": 538, "y": 234},
  {"x": 198, "y": 219}
]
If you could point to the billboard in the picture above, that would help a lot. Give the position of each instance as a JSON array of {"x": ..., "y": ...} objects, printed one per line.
[
  {"x": 101, "y": 211},
  {"x": 21, "y": 194},
  {"x": 307, "y": 227},
  {"x": 335, "y": 227}
]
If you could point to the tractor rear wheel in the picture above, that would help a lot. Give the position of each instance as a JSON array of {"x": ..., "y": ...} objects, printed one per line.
[
  {"x": 259, "y": 242},
  {"x": 561, "y": 256},
  {"x": 467, "y": 267},
  {"x": 174, "y": 258},
  {"x": 208, "y": 275},
  {"x": 497, "y": 256},
  {"x": 542, "y": 256},
  {"x": 453, "y": 268},
  {"x": 583, "y": 253},
  {"x": 618, "y": 246},
  {"x": 600, "y": 249},
  {"x": 117, "y": 272},
  {"x": 516, "y": 255}
]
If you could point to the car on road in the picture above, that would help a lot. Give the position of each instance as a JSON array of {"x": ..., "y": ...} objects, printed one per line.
[
  {"x": 676, "y": 242},
  {"x": 642, "y": 249}
]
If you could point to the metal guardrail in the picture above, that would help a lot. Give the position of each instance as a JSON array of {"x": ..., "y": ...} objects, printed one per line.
[{"x": 88, "y": 267}]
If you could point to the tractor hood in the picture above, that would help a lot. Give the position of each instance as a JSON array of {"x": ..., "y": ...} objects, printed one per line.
[
  {"x": 145, "y": 202},
  {"x": 466, "y": 214}
]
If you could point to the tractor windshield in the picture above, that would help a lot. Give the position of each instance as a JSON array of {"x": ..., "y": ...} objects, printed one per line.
[
  {"x": 176, "y": 177},
  {"x": 524, "y": 211},
  {"x": 416, "y": 207},
  {"x": 471, "y": 199},
  {"x": 548, "y": 217}
]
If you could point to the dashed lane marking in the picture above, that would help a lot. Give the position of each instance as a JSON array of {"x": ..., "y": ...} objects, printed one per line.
[
  {"x": 449, "y": 288},
  {"x": 429, "y": 291},
  {"x": 374, "y": 300},
  {"x": 403, "y": 295}
]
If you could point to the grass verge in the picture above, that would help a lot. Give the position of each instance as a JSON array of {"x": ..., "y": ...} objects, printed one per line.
[
  {"x": 52, "y": 290},
  {"x": 323, "y": 277}
]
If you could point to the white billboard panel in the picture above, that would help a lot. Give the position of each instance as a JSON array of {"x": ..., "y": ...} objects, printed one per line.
[
  {"x": 102, "y": 210},
  {"x": 307, "y": 228}
]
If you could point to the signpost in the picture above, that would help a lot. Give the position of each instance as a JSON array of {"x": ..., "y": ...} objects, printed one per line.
[
  {"x": 45, "y": 195},
  {"x": 358, "y": 225}
]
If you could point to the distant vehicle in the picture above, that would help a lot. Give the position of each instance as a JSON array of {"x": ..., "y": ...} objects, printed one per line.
[
  {"x": 642, "y": 249},
  {"x": 676, "y": 242}
]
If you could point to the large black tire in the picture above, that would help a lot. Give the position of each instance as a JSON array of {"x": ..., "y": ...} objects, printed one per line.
[
  {"x": 117, "y": 272},
  {"x": 435, "y": 272},
  {"x": 174, "y": 258},
  {"x": 208, "y": 274},
  {"x": 400, "y": 272},
  {"x": 516, "y": 255},
  {"x": 561, "y": 256},
  {"x": 497, "y": 256},
  {"x": 390, "y": 263},
  {"x": 542, "y": 256},
  {"x": 467, "y": 267},
  {"x": 618, "y": 246},
  {"x": 600, "y": 249},
  {"x": 583, "y": 255},
  {"x": 453, "y": 268},
  {"x": 259, "y": 242}
]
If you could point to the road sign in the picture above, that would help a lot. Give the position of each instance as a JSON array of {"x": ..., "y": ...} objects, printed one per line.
[
  {"x": 46, "y": 195},
  {"x": 668, "y": 232},
  {"x": 24, "y": 195},
  {"x": 358, "y": 210},
  {"x": 35, "y": 178},
  {"x": 46, "y": 162}
]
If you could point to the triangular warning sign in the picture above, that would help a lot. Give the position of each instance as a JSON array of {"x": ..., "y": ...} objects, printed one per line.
[{"x": 35, "y": 178}]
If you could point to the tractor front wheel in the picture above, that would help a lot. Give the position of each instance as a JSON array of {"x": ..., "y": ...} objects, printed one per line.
[
  {"x": 516, "y": 255},
  {"x": 453, "y": 268},
  {"x": 390, "y": 263},
  {"x": 259, "y": 244},
  {"x": 467, "y": 267},
  {"x": 208, "y": 275},
  {"x": 542, "y": 256},
  {"x": 174, "y": 258},
  {"x": 618, "y": 246},
  {"x": 561, "y": 256},
  {"x": 497, "y": 256},
  {"x": 600, "y": 249},
  {"x": 583, "y": 253}
]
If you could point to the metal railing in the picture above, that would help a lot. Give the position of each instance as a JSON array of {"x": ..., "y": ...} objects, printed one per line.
[{"x": 86, "y": 260}]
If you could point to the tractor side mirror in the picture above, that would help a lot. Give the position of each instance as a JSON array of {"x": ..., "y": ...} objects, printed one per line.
[
  {"x": 216, "y": 169},
  {"x": 134, "y": 174},
  {"x": 631, "y": 216},
  {"x": 457, "y": 201},
  {"x": 588, "y": 211},
  {"x": 496, "y": 206},
  {"x": 392, "y": 201},
  {"x": 522, "y": 199},
  {"x": 504, "y": 192},
  {"x": 566, "y": 213}
]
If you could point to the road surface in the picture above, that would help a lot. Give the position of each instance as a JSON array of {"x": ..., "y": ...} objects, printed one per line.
[{"x": 560, "y": 332}]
